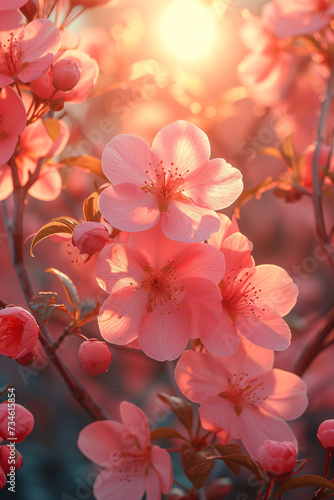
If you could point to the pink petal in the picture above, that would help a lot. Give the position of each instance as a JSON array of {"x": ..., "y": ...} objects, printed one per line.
[
  {"x": 152, "y": 485},
  {"x": 117, "y": 267},
  {"x": 218, "y": 413},
  {"x": 128, "y": 208},
  {"x": 7, "y": 148},
  {"x": 14, "y": 4},
  {"x": 202, "y": 261},
  {"x": 135, "y": 421},
  {"x": 227, "y": 227},
  {"x": 48, "y": 186},
  {"x": 181, "y": 144},
  {"x": 189, "y": 223},
  {"x": 237, "y": 251},
  {"x": 253, "y": 359},
  {"x": 125, "y": 160},
  {"x": 164, "y": 336},
  {"x": 277, "y": 288},
  {"x": 162, "y": 463},
  {"x": 41, "y": 37},
  {"x": 264, "y": 328},
  {"x": 258, "y": 426},
  {"x": 224, "y": 339},
  {"x": 200, "y": 375},
  {"x": 10, "y": 20},
  {"x": 6, "y": 181},
  {"x": 119, "y": 485},
  {"x": 121, "y": 315},
  {"x": 288, "y": 399},
  {"x": 215, "y": 185},
  {"x": 5, "y": 80},
  {"x": 35, "y": 69},
  {"x": 98, "y": 441}
]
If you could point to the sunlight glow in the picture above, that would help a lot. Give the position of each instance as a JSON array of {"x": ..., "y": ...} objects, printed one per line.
[{"x": 188, "y": 29}]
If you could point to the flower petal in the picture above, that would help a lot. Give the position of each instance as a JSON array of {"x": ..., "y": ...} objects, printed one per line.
[
  {"x": 121, "y": 314},
  {"x": 6, "y": 181},
  {"x": 128, "y": 208},
  {"x": 163, "y": 465},
  {"x": 125, "y": 160},
  {"x": 237, "y": 251},
  {"x": 98, "y": 440},
  {"x": 152, "y": 485},
  {"x": 41, "y": 37},
  {"x": 227, "y": 227},
  {"x": 181, "y": 144},
  {"x": 116, "y": 485},
  {"x": 202, "y": 261},
  {"x": 215, "y": 185},
  {"x": 224, "y": 339},
  {"x": 48, "y": 185},
  {"x": 189, "y": 223},
  {"x": 135, "y": 421}
]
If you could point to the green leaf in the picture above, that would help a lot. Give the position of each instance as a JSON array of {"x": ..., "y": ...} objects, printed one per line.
[
  {"x": 55, "y": 226},
  {"x": 88, "y": 312},
  {"x": 45, "y": 303},
  {"x": 70, "y": 290},
  {"x": 165, "y": 433},
  {"x": 197, "y": 465},
  {"x": 86, "y": 162},
  {"x": 301, "y": 481},
  {"x": 180, "y": 407}
]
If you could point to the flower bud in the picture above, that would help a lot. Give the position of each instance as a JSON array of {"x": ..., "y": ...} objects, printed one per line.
[
  {"x": 28, "y": 358},
  {"x": 10, "y": 459},
  {"x": 19, "y": 332},
  {"x": 94, "y": 357},
  {"x": 277, "y": 458},
  {"x": 219, "y": 489},
  {"x": 90, "y": 237},
  {"x": 326, "y": 436},
  {"x": 65, "y": 74},
  {"x": 24, "y": 421}
]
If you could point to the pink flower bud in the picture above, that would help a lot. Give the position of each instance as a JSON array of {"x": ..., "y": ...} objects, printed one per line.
[
  {"x": 277, "y": 458},
  {"x": 219, "y": 489},
  {"x": 326, "y": 436},
  {"x": 90, "y": 237},
  {"x": 94, "y": 357},
  {"x": 65, "y": 74},
  {"x": 10, "y": 458},
  {"x": 28, "y": 358},
  {"x": 19, "y": 332},
  {"x": 24, "y": 421}
]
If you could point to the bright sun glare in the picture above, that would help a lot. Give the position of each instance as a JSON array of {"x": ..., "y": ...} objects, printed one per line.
[{"x": 187, "y": 29}]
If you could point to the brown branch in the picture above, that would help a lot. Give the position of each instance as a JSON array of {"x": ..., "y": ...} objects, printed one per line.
[{"x": 315, "y": 346}]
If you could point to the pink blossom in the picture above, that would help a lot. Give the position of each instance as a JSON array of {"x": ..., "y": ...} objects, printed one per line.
[
  {"x": 12, "y": 123},
  {"x": 44, "y": 88},
  {"x": 302, "y": 17},
  {"x": 26, "y": 52},
  {"x": 326, "y": 435},
  {"x": 277, "y": 458},
  {"x": 14, "y": 4},
  {"x": 90, "y": 237},
  {"x": 131, "y": 464},
  {"x": 94, "y": 357},
  {"x": 19, "y": 332},
  {"x": 161, "y": 291},
  {"x": 36, "y": 143},
  {"x": 174, "y": 179},
  {"x": 243, "y": 394},
  {"x": 254, "y": 299},
  {"x": 24, "y": 421},
  {"x": 65, "y": 74}
]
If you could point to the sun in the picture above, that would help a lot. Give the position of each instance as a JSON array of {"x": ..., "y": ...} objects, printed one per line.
[{"x": 188, "y": 29}]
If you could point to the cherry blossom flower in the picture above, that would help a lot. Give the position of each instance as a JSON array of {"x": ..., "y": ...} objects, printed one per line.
[
  {"x": 94, "y": 357},
  {"x": 14, "y": 4},
  {"x": 19, "y": 332},
  {"x": 277, "y": 458},
  {"x": 36, "y": 143},
  {"x": 161, "y": 291},
  {"x": 302, "y": 17},
  {"x": 43, "y": 87},
  {"x": 24, "y": 422},
  {"x": 26, "y": 52},
  {"x": 131, "y": 464},
  {"x": 243, "y": 394},
  {"x": 12, "y": 123},
  {"x": 254, "y": 299},
  {"x": 174, "y": 179}
]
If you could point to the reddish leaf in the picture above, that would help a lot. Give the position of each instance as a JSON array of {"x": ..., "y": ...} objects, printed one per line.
[
  {"x": 181, "y": 408},
  {"x": 55, "y": 226},
  {"x": 230, "y": 449},
  {"x": 45, "y": 303},
  {"x": 197, "y": 465},
  {"x": 88, "y": 312},
  {"x": 165, "y": 433},
  {"x": 246, "y": 462},
  {"x": 301, "y": 481}
]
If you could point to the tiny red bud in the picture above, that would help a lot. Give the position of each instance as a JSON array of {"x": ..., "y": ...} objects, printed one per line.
[
  {"x": 326, "y": 436},
  {"x": 90, "y": 237},
  {"x": 28, "y": 358},
  {"x": 94, "y": 357},
  {"x": 29, "y": 10},
  {"x": 65, "y": 74},
  {"x": 277, "y": 458}
]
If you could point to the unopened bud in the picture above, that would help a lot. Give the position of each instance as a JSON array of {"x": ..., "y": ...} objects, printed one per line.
[
  {"x": 94, "y": 357},
  {"x": 90, "y": 237},
  {"x": 277, "y": 458},
  {"x": 326, "y": 436},
  {"x": 65, "y": 74},
  {"x": 28, "y": 358}
]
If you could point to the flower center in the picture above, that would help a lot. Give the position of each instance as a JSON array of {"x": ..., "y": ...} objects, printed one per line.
[
  {"x": 162, "y": 288},
  {"x": 10, "y": 55},
  {"x": 242, "y": 391},
  {"x": 165, "y": 184},
  {"x": 238, "y": 293},
  {"x": 128, "y": 461}
]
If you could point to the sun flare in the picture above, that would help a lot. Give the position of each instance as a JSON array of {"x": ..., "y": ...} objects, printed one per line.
[{"x": 188, "y": 29}]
